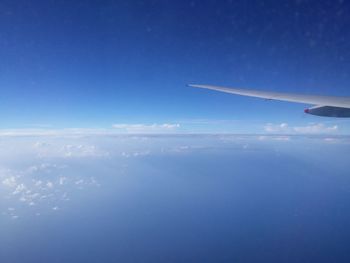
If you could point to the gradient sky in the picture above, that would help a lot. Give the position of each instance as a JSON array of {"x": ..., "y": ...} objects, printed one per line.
[{"x": 92, "y": 64}]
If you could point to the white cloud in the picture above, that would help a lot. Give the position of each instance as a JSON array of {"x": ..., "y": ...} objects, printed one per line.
[
  {"x": 38, "y": 183},
  {"x": 20, "y": 188},
  {"x": 312, "y": 128},
  {"x": 27, "y": 185},
  {"x": 62, "y": 180},
  {"x": 79, "y": 182},
  {"x": 277, "y": 128},
  {"x": 57, "y": 149},
  {"x": 274, "y": 138},
  {"x": 68, "y": 132},
  {"x": 135, "y": 154},
  {"x": 44, "y": 167},
  {"x": 316, "y": 128},
  {"x": 116, "y": 129},
  {"x": 10, "y": 181},
  {"x": 146, "y": 128}
]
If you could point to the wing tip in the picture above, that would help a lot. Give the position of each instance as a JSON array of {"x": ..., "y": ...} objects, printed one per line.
[{"x": 197, "y": 86}]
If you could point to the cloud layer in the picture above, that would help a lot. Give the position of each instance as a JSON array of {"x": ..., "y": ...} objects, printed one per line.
[
  {"x": 147, "y": 128},
  {"x": 313, "y": 128}
]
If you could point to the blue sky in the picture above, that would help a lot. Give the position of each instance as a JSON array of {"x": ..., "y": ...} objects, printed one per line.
[{"x": 93, "y": 64}]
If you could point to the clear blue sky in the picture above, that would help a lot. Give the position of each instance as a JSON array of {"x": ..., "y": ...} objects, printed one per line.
[{"x": 97, "y": 63}]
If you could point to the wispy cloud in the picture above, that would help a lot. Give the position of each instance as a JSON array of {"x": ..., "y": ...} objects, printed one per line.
[
  {"x": 312, "y": 128},
  {"x": 114, "y": 130},
  {"x": 63, "y": 150},
  {"x": 316, "y": 128},
  {"x": 53, "y": 132},
  {"x": 147, "y": 128},
  {"x": 277, "y": 128},
  {"x": 190, "y": 127}
]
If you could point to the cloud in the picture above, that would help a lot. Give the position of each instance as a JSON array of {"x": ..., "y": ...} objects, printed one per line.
[
  {"x": 30, "y": 186},
  {"x": 274, "y": 138},
  {"x": 147, "y": 128},
  {"x": 316, "y": 128},
  {"x": 70, "y": 132},
  {"x": 135, "y": 154},
  {"x": 116, "y": 129},
  {"x": 62, "y": 150},
  {"x": 277, "y": 128},
  {"x": 44, "y": 168},
  {"x": 313, "y": 128},
  {"x": 62, "y": 180},
  {"x": 38, "y": 183},
  {"x": 81, "y": 150},
  {"x": 19, "y": 189},
  {"x": 10, "y": 181}
]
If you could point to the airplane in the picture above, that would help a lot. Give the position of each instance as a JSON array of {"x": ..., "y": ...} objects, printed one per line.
[{"x": 326, "y": 106}]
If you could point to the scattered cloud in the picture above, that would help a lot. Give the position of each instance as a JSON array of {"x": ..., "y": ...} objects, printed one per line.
[
  {"x": 58, "y": 149},
  {"x": 81, "y": 150},
  {"x": 10, "y": 181},
  {"x": 45, "y": 168},
  {"x": 135, "y": 154},
  {"x": 274, "y": 138},
  {"x": 19, "y": 189},
  {"x": 31, "y": 186},
  {"x": 277, "y": 128},
  {"x": 62, "y": 180}
]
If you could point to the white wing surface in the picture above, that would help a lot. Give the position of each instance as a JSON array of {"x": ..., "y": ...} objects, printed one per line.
[{"x": 329, "y": 106}]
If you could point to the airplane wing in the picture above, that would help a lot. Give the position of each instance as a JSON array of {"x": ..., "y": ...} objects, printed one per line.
[{"x": 330, "y": 106}]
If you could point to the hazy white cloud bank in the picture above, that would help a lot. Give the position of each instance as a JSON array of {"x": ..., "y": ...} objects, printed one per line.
[
  {"x": 39, "y": 174},
  {"x": 118, "y": 128},
  {"x": 71, "y": 132},
  {"x": 68, "y": 150},
  {"x": 147, "y": 128},
  {"x": 42, "y": 173},
  {"x": 313, "y": 128}
]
